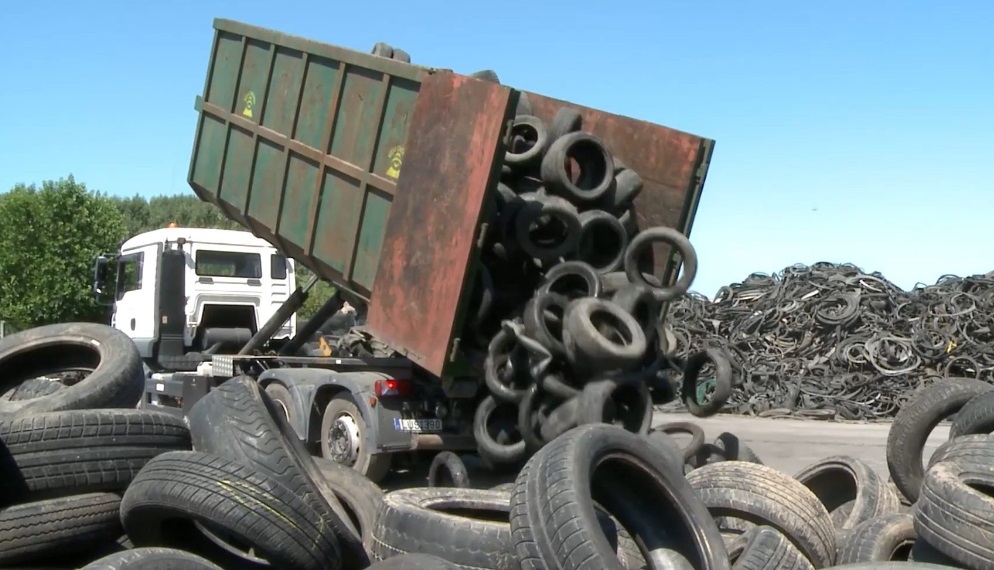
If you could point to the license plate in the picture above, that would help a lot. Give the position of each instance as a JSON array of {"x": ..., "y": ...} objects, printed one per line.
[{"x": 417, "y": 425}]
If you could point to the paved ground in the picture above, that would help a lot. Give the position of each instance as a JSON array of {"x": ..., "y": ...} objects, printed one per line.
[{"x": 788, "y": 445}]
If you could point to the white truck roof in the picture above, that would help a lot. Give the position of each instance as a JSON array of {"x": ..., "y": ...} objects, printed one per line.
[{"x": 197, "y": 235}]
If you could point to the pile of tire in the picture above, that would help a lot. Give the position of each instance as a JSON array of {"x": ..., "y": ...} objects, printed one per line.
[{"x": 87, "y": 481}]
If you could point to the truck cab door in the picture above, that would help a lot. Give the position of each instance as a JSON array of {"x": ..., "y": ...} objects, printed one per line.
[{"x": 134, "y": 306}]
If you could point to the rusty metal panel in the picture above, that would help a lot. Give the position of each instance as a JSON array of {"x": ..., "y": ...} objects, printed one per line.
[
  {"x": 302, "y": 142},
  {"x": 673, "y": 166},
  {"x": 429, "y": 251}
]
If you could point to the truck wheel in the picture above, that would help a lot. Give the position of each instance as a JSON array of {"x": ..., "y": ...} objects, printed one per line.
[
  {"x": 284, "y": 401},
  {"x": 343, "y": 439}
]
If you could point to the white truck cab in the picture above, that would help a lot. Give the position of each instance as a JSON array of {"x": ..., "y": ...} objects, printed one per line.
[{"x": 184, "y": 293}]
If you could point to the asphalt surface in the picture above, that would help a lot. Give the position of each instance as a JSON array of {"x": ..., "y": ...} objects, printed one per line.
[{"x": 785, "y": 444}]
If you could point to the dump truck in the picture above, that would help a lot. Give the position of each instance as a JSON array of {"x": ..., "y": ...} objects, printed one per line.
[{"x": 382, "y": 178}]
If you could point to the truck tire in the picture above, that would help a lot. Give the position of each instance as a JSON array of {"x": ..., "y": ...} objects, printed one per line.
[
  {"x": 553, "y": 515},
  {"x": 283, "y": 400},
  {"x": 35, "y": 531},
  {"x": 82, "y": 451},
  {"x": 152, "y": 558},
  {"x": 239, "y": 421},
  {"x": 179, "y": 491},
  {"x": 361, "y": 497},
  {"x": 467, "y": 527},
  {"x": 343, "y": 439},
  {"x": 107, "y": 360}
]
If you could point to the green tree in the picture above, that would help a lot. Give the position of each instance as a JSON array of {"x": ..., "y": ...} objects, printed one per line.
[
  {"x": 320, "y": 293},
  {"x": 48, "y": 239}
]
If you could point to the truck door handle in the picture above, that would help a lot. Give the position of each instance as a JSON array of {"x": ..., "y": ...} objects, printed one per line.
[{"x": 132, "y": 324}]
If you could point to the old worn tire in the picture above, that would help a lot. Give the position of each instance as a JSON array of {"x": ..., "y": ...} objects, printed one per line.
[
  {"x": 765, "y": 548},
  {"x": 400, "y": 55},
  {"x": 36, "y": 531},
  {"x": 467, "y": 527},
  {"x": 722, "y": 382},
  {"x": 179, "y": 488},
  {"x": 536, "y": 207},
  {"x": 284, "y": 401},
  {"x": 553, "y": 517},
  {"x": 622, "y": 402},
  {"x": 58, "y": 454},
  {"x": 975, "y": 417},
  {"x": 152, "y": 558},
  {"x": 239, "y": 421},
  {"x": 115, "y": 379},
  {"x": 587, "y": 346},
  {"x": 448, "y": 470},
  {"x": 375, "y": 466},
  {"x": 880, "y": 539},
  {"x": 851, "y": 491},
  {"x": 486, "y": 75},
  {"x": 543, "y": 321},
  {"x": 360, "y": 497},
  {"x": 640, "y": 303},
  {"x": 764, "y": 496},
  {"x": 916, "y": 420},
  {"x": 977, "y": 447},
  {"x": 595, "y": 162},
  {"x": 566, "y": 120},
  {"x": 695, "y": 432},
  {"x": 572, "y": 280},
  {"x": 533, "y": 129},
  {"x": 643, "y": 241},
  {"x": 490, "y": 449},
  {"x": 627, "y": 186},
  {"x": 603, "y": 241},
  {"x": 733, "y": 449},
  {"x": 955, "y": 511},
  {"x": 382, "y": 49}
]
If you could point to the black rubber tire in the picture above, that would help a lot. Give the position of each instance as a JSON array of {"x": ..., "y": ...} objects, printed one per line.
[
  {"x": 33, "y": 532},
  {"x": 695, "y": 432},
  {"x": 180, "y": 487},
  {"x": 284, "y": 401},
  {"x": 360, "y": 497},
  {"x": 600, "y": 400},
  {"x": 595, "y": 162},
  {"x": 487, "y": 446},
  {"x": 382, "y": 49},
  {"x": 851, "y": 491},
  {"x": 536, "y": 207},
  {"x": 643, "y": 242},
  {"x": 34, "y": 388},
  {"x": 603, "y": 241},
  {"x": 955, "y": 512},
  {"x": 543, "y": 321},
  {"x": 400, "y": 55},
  {"x": 765, "y": 548},
  {"x": 486, "y": 75},
  {"x": 732, "y": 448},
  {"x": 553, "y": 518},
  {"x": 239, "y": 421},
  {"x": 415, "y": 562},
  {"x": 503, "y": 372},
  {"x": 975, "y": 417},
  {"x": 588, "y": 347},
  {"x": 441, "y": 522},
  {"x": 640, "y": 303},
  {"x": 880, "y": 539},
  {"x": 977, "y": 447},
  {"x": 916, "y": 420},
  {"x": 573, "y": 280},
  {"x": 764, "y": 496},
  {"x": 555, "y": 385},
  {"x": 722, "y": 386},
  {"x": 59, "y": 454},
  {"x": 566, "y": 120},
  {"x": 447, "y": 467},
  {"x": 152, "y": 558},
  {"x": 116, "y": 378},
  {"x": 561, "y": 419},
  {"x": 627, "y": 186},
  {"x": 922, "y": 551},
  {"x": 533, "y": 129},
  {"x": 375, "y": 466},
  {"x": 665, "y": 444}
]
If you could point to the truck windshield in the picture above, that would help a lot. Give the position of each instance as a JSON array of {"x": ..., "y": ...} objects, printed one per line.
[{"x": 229, "y": 264}]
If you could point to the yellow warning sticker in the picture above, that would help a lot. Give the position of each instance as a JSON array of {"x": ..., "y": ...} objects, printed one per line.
[
  {"x": 249, "y": 101},
  {"x": 396, "y": 156}
]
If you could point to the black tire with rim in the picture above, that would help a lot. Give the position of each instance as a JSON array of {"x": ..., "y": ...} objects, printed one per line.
[{"x": 343, "y": 439}]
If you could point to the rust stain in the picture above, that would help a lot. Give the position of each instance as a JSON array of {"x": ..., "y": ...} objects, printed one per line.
[{"x": 429, "y": 246}]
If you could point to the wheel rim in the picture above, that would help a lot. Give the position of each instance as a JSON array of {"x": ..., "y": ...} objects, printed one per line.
[{"x": 343, "y": 440}]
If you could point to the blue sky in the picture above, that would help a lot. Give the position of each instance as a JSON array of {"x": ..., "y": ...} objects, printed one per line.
[{"x": 846, "y": 130}]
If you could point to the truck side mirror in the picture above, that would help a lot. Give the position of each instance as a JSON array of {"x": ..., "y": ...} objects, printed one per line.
[{"x": 101, "y": 274}]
